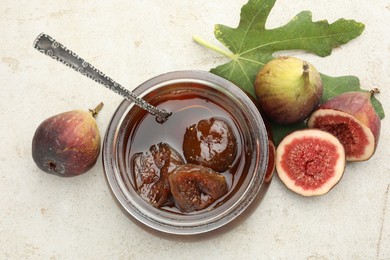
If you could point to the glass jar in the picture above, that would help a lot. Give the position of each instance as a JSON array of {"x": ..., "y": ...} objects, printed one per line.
[{"x": 197, "y": 94}]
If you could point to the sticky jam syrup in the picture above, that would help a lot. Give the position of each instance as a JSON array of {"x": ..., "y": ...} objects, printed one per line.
[{"x": 189, "y": 103}]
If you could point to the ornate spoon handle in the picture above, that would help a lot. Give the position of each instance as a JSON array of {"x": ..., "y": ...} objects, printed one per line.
[{"x": 49, "y": 46}]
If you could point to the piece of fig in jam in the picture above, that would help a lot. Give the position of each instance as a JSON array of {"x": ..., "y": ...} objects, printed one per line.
[
  {"x": 211, "y": 143},
  {"x": 151, "y": 171},
  {"x": 195, "y": 187}
]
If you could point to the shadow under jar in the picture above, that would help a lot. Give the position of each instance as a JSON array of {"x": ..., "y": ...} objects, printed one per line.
[{"x": 191, "y": 96}]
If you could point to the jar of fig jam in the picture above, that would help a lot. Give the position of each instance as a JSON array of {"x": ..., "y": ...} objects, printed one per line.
[{"x": 191, "y": 96}]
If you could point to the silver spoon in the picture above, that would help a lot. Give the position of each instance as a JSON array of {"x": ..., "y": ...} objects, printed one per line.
[{"x": 49, "y": 46}]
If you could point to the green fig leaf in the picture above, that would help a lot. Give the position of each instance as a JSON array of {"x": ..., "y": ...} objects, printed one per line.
[
  {"x": 251, "y": 45},
  {"x": 280, "y": 131}
]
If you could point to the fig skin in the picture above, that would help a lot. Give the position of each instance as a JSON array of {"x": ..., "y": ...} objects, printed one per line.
[
  {"x": 67, "y": 144},
  {"x": 310, "y": 162},
  {"x": 352, "y": 118},
  {"x": 288, "y": 89}
]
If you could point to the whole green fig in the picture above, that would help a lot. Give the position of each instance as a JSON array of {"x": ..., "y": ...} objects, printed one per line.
[
  {"x": 288, "y": 89},
  {"x": 67, "y": 144}
]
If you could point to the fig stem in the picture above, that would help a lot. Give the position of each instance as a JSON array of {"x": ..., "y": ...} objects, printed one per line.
[
  {"x": 305, "y": 67},
  {"x": 374, "y": 91},
  {"x": 96, "y": 110},
  {"x": 213, "y": 47},
  {"x": 305, "y": 74}
]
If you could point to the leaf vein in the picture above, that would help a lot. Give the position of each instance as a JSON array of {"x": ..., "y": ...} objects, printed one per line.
[
  {"x": 290, "y": 40},
  {"x": 254, "y": 16},
  {"x": 244, "y": 72}
]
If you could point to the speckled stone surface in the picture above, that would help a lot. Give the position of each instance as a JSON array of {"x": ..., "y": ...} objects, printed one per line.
[{"x": 47, "y": 217}]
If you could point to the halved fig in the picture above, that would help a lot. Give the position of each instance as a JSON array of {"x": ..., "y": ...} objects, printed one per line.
[
  {"x": 351, "y": 118},
  {"x": 195, "y": 187},
  {"x": 310, "y": 162},
  {"x": 151, "y": 169}
]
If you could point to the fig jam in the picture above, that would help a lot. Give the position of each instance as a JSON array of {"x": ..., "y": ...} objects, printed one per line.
[{"x": 189, "y": 103}]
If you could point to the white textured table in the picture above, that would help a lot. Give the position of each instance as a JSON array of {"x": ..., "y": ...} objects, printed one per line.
[{"x": 47, "y": 217}]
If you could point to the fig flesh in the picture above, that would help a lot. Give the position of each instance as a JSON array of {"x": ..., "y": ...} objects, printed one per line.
[
  {"x": 351, "y": 118},
  {"x": 288, "y": 89},
  {"x": 211, "y": 143},
  {"x": 67, "y": 144},
  {"x": 151, "y": 171},
  {"x": 195, "y": 187},
  {"x": 310, "y": 162}
]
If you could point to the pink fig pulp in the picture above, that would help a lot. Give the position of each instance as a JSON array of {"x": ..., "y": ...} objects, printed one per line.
[
  {"x": 351, "y": 118},
  {"x": 310, "y": 162}
]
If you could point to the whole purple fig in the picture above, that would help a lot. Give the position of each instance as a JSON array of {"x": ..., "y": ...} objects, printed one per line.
[{"x": 67, "y": 144}]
